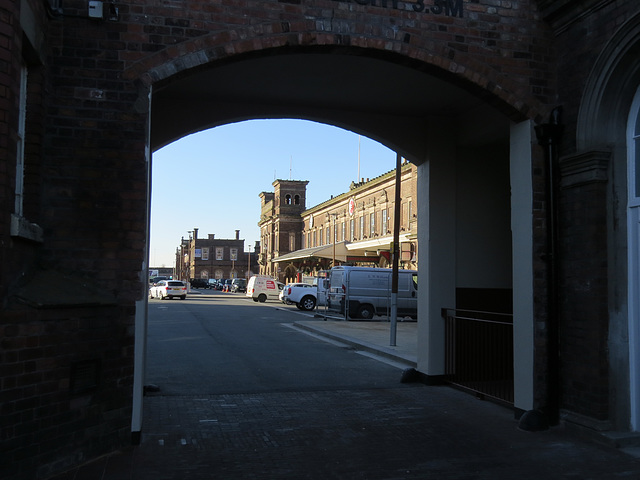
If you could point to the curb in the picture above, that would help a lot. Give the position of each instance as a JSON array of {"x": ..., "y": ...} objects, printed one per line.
[{"x": 387, "y": 352}]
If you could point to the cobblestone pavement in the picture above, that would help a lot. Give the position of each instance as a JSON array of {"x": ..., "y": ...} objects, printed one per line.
[{"x": 409, "y": 432}]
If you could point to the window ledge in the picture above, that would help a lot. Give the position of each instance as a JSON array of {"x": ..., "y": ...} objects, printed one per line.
[{"x": 22, "y": 228}]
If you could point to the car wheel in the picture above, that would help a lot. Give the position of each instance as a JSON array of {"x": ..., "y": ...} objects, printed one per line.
[
  {"x": 308, "y": 303},
  {"x": 183, "y": 297},
  {"x": 162, "y": 296},
  {"x": 299, "y": 307},
  {"x": 262, "y": 298},
  {"x": 255, "y": 299},
  {"x": 365, "y": 312}
]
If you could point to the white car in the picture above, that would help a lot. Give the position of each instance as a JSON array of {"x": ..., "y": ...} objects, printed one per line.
[
  {"x": 168, "y": 289},
  {"x": 303, "y": 295},
  {"x": 284, "y": 293}
]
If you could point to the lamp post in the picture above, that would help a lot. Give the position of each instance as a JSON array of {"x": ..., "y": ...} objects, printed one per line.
[
  {"x": 248, "y": 261},
  {"x": 333, "y": 218},
  {"x": 396, "y": 253}
]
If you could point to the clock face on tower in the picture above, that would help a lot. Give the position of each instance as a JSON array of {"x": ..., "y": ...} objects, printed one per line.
[{"x": 352, "y": 206}]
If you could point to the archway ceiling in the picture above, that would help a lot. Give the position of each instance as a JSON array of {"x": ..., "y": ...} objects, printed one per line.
[{"x": 387, "y": 102}]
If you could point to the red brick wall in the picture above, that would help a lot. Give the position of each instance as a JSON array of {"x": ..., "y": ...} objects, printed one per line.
[
  {"x": 587, "y": 211},
  {"x": 9, "y": 60},
  {"x": 500, "y": 47},
  {"x": 49, "y": 421},
  {"x": 584, "y": 301}
]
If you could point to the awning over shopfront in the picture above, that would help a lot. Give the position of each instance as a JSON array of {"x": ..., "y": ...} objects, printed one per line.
[
  {"x": 362, "y": 251},
  {"x": 325, "y": 251},
  {"x": 374, "y": 244}
]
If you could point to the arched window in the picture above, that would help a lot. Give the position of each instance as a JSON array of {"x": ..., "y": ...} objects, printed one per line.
[
  {"x": 287, "y": 199},
  {"x": 634, "y": 152},
  {"x": 296, "y": 200},
  {"x": 633, "y": 249}
]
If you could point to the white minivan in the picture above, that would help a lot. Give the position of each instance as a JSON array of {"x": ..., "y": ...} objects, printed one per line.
[
  {"x": 367, "y": 292},
  {"x": 262, "y": 287}
]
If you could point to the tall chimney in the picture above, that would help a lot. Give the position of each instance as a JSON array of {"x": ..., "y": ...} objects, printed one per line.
[
  {"x": 237, "y": 234},
  {"x": 195, "y": 233}
]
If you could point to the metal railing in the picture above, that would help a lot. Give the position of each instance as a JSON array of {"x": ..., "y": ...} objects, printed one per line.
[{"x": 479, "y": 352}]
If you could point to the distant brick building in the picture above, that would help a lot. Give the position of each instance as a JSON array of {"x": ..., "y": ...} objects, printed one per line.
[{"x": 213, "y": 258}]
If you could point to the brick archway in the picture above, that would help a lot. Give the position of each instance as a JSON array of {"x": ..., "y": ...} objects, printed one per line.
[{"x": 502, "y": 90}]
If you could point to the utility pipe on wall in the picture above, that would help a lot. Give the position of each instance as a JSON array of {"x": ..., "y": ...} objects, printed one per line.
[{"x": 549, "y": 135}]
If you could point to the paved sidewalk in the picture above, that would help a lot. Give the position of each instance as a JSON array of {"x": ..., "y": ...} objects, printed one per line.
[
  {"x": 374, "y": 337},
  {"x": 411, "y": 431}
]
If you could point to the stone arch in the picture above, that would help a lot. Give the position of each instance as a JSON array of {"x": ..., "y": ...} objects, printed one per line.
[
  {"x": 610, "y": 89},
  {"x": 468, "y": 72},
  {"x": 601, "y": 131},
  {"x": 468, "y": 78}
]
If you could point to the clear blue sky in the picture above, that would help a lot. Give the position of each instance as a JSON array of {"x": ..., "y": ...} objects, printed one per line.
[{"x": 211, "y": 180}]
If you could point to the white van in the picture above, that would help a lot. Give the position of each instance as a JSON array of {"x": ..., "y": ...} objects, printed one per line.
[
  {"x": 262, "y": 287},
  {"x": 367, "y": 292}
]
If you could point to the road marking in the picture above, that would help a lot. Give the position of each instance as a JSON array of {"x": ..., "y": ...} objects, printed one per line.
[
  {"x": 394, "y": 363},
  {"x": 315, "y": 335},
  {"x": 297, "y": 312}
]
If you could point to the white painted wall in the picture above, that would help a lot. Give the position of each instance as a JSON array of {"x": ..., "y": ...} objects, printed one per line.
[
  {"x": 522, "y": 241},
  {"x": 436, "y": 237}
]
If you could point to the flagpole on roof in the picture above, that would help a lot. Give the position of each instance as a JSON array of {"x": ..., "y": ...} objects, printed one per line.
[{"x": 358, "y": 178}]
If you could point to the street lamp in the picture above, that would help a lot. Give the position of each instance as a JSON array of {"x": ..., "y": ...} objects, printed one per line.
[
  {"x": 248, "y": 261},
  {"x": 333, "y": 218}
]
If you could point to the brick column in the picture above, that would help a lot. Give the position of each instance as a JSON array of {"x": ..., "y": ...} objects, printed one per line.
[{"x": 584, "y": 321}]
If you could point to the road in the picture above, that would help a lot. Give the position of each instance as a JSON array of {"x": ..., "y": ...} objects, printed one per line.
[
  {"x": 243, "y": 395},
  {"x": 220, "y": 343}
]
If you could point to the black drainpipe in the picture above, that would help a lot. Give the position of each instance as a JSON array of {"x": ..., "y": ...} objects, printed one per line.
[{"x": 549, "y": 136}]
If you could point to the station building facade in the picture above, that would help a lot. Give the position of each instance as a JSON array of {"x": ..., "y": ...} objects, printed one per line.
[
  {"x": 520, "y": 117},
  {"x": 356, "y": 228}
]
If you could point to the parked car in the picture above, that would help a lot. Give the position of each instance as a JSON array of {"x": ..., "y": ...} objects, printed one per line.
[
  {"x": 261, "y": 288},
  {"x": 284, "y": 294},
  {"x": 303, "y": 295},
  {"x": 213, "y": 283},
  {"x": 168, "y": 289},
  {"x": 226, "y": 285},
  {"x": 220, "y": 284},
  {"x": 239, "y": 285},
  {"x": 199, "y": 283}
]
